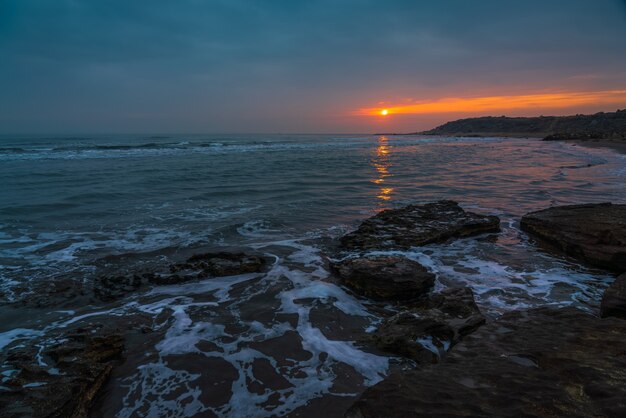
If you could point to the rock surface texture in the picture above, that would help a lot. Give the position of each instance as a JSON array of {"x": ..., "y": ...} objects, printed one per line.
[
  {"x": 614, "y": 299},
  {"x": 221, "y": 264},
  {"x": 416, "y": 225},
  {"x": 593, "y": 233},
  {"x": 385, "y": 278},
  {"x": 81, "y": 363},
  {"x": 543, "y": 362},
  {"x": 426, "y": 332},
  {"x": 197, "y": 267}
]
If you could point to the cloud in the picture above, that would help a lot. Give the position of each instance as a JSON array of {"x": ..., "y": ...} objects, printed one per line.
[
  {"x": 244, "y": 65},
  {"x": 562, "y": 100}
]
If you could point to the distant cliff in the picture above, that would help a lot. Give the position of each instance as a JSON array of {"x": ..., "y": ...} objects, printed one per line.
[{"x": 610, "y": 125}]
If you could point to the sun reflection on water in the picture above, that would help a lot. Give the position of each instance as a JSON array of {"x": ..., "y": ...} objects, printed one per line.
[{"x": 382, "y": 165}]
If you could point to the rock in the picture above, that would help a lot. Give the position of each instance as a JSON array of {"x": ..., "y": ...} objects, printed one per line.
[
  {"x": 222, "y": 264},
  {"x": 197, "y": 267},
  {"x": 454, "y": 301},
  {"x": 108, "y": 288},
  {"x": 614, "y": 299},
  {"x": 543, "y": 362},
  {"x": 385, "y": 278},
  {"x": 79, "y": 365},
  {"x": 416, "y": 225},
  {"x": 593, "y": 233},
  {"x": 58, "y": 291},
  {"x": 425, "y": 333}
]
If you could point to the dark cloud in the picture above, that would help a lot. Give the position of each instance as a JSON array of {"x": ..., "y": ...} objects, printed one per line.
[{"x": 242, "y": 65}]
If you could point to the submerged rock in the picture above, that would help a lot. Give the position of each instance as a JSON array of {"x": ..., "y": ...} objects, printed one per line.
[
  {"x": 614, "y": 299},
  {"x": 593, "y": 233},
  {"x": 221, "y": 264},
  {"x": 425, "y": 333},
  {"x": 416, "y": 225},
  {"x": 197, "y": 267},
  {"x": 385, "y": 278},
  {"x": 78, "y": 366},
  {"x": 542, "y": 362}
]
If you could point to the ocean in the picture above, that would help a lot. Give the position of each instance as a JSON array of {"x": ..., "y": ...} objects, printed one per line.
[{"x": 285, "y": 341}]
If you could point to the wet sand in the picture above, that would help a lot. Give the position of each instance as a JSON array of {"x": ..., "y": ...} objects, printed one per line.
[{"x": 616, "y": 145}]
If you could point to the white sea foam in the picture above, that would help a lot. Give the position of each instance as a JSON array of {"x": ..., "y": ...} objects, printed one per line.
[
  {"x": 499, "y": 287},
  {"x": 315, "y": 376}
]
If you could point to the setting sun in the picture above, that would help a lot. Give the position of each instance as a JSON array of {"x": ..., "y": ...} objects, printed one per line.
[{"x": 561, "y": 100}]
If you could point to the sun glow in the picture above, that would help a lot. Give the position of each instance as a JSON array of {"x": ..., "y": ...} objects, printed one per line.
[{"x": 561, "y": 100}]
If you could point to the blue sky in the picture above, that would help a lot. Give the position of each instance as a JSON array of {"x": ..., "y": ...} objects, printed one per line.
[{"x": 185, "y": 66}]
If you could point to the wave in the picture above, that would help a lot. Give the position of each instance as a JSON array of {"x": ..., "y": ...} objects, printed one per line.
[{"x": 215, "y": 145}]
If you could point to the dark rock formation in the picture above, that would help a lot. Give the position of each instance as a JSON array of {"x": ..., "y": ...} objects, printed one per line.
[
  {"x": 586, "y": 135},
  {"x": 221, "y": 264},
  {"x": 385, "y": 278},
  {"x": 199, "y": 266},
  {"x": 416, "y": 225},
  {"x": 425, "y": 333},
  {"x": 614, "y": 299},
  {"x": 593, "y": 233},
  {"x": 107, "y": 288},
  {"x": 544, "y": 362},
  {"x": 79, "y": 364}
]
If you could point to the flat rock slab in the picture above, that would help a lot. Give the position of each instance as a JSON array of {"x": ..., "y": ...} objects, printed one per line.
[
  {"x": 593, "y": 233},
  {"x": 614, "y": 299},
  {"x": 416, "y": 225},
  {"x": 426, "y": 332},
  {"x": 544, "y": 362},
  {"x": 385, "y": 278}
]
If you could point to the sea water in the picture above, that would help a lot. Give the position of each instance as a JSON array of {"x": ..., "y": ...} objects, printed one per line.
[{"x": 285, "y": 341}]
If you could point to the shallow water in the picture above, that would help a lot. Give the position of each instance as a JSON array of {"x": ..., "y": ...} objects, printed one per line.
[{"x": 283, "y": 341}]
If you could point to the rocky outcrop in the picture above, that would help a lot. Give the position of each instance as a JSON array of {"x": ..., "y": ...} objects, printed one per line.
[
  {"x": 385, "y": 278},
  {"x": 614, "y": 299},
  {"x": 587, "y": 135},
  {"x": 544, "y": 362},
  {"x": 416, "y": 225},
  {"x": 63, "y": 379},
  {"x": 199, "y": 266},
  {"x": 593, "y": 233},
  {"x": 427, "y": 332}
]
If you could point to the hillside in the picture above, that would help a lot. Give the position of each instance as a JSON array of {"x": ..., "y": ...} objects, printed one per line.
[{"x": 610, "y": 125}]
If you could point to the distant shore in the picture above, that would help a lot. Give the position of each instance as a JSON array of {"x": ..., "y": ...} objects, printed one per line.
[{"x": 603, "y": 129}]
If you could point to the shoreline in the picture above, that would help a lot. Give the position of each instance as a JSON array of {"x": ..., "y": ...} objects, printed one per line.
[{"x": 615, "y": 145}]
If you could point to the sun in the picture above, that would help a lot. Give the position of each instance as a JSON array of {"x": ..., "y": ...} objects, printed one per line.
[{"x": 384, "y": 112}]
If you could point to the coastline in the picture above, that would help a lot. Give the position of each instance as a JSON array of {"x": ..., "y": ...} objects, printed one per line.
[
  {"x": 615, "y": 145},
  {"x": 533, "y": 135}
]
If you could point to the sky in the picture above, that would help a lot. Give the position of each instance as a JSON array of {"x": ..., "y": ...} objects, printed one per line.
[{"x": 291, "y": 66}]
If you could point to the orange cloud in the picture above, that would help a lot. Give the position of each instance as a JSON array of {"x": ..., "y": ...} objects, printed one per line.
[{"x": 497, "y": 103}]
